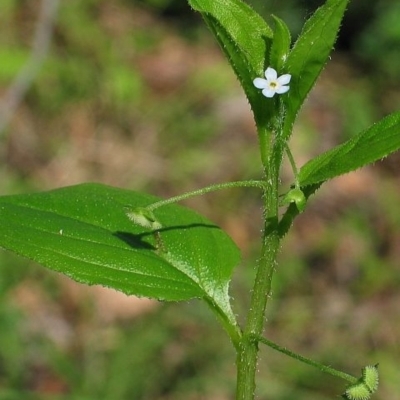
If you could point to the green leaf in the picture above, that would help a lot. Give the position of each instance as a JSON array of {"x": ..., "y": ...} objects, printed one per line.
[
  {"x": 369, "y": 146},
  {"x": 245, "y": 27},
  {"x": 245, "y": 38},
  {"x": 309, "y": 55},
  {"x": 83, "y": 232},
  {"x": 280, "y": 45}
]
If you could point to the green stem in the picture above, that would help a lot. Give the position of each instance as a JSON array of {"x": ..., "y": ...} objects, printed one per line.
[
  {"x": 293, "y": 164},
  {"x": 227, "y": 320},
  {"x": 264, "y": 138},
  {"x": 248, "y": 350},
  {"x": 324, "y": 368},
  {"x": 208, "y": 189}
]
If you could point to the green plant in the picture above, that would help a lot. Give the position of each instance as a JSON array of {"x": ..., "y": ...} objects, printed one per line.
[{"x": 145, "y": 246}]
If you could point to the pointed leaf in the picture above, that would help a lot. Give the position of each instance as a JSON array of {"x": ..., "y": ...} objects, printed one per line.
[
  {"x": 280, "y": 45},
  {"x": 369, "y": 146},
  {"x": 246, "y": 28},
  {"x": 309, "y": 55},
  {"x": 83, "y": 232},
  {"x": 245, "y": 38}
]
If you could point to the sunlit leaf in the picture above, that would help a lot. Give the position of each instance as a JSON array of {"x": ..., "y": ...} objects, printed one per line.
[
  {"x": 245, "y": 38},
  {"x": 309, "y": 55},
  {"x": 369, "y": 146},
  {"x": 83, "y": 232}
]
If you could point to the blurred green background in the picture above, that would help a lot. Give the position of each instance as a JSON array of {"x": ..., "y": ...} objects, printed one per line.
[{"x": 136, "y": 94}]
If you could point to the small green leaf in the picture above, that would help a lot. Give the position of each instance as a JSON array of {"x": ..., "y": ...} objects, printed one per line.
[
  {"x": 245, "y": 38},
  {"x": 83, "y": 232},
  {"x": 309, "y": 55},
  {"x": 371, "y": 145},
  {"x": 280, "y": 45}
]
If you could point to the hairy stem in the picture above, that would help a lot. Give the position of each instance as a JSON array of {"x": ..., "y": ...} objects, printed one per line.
[
  {"x": 228, "y": 322},
  {"x": 208, "y": 189},
  {"x": 321, "y": 367},
  {"x": 247, "y": 355},
  {"x": 293, "y": 164}
]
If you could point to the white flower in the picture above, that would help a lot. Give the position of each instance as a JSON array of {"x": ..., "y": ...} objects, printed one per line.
[{"x": 272, "y": 84}]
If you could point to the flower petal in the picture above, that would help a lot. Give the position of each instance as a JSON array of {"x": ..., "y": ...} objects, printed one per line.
[
  {"x": 284, "y": 79},
  {"x": 260, "y": 83},
  {"x": 282, "y": 89},
  {"x": 267, "y": 92},
  {"x": 271, "y": 74}
]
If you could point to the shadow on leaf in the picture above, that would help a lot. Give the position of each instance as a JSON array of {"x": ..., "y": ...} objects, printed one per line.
[{"x": 140, "y": 240}]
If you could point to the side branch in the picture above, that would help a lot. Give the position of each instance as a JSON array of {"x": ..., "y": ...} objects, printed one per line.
[{"x": 208, "y": 189}]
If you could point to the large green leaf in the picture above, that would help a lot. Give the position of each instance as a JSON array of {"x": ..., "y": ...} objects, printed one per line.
[
  {"x": 371, "y": 145},
  {"x": 245, "y": 39},
  {"x": 83, "y": 232},
  {"x": 309, "y": 55}
]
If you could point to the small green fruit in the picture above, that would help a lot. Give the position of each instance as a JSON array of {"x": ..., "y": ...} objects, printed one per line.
[
  {"x": 370, "y": 377},
  {"x": 143, "y": 217},
  {"x": 358, "y": 391},
  {"x": 296, "y": 196}
]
